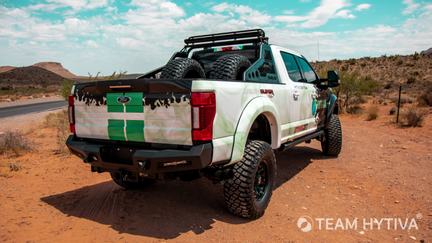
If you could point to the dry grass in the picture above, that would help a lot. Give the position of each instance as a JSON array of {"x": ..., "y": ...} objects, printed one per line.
[
  {"x": 411, "y": 118},
  {"x": 425, "y": 99},
  {"x": 13, "y": 143},
  {"x": 59, "y": 121},
  {"x": 354, "y": 109},
  {"x": 372, "y": 113}
]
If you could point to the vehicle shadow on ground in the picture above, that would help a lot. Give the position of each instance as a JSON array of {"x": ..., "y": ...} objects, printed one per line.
[{"x": 167, "y": 209}]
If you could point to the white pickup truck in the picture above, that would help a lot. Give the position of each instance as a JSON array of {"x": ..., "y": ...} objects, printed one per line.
[{"x": 219, "y": 108}]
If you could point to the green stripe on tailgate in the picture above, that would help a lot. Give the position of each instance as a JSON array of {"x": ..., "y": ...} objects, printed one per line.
[
  {"x": 135, "y": 130},
  {"x": 116, "y": 129}
]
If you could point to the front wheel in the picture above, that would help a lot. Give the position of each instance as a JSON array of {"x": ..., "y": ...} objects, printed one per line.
[
  {"x": 248, "y": 192},
  {"x": 331, "y": 143}
]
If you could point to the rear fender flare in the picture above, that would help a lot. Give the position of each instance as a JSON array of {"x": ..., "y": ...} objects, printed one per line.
[{"x": 256, "y": 107}]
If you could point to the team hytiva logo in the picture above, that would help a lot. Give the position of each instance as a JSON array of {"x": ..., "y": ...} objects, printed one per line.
[
  {"x": 304, "y": 223},
  {"x": 123, "y": 99}
]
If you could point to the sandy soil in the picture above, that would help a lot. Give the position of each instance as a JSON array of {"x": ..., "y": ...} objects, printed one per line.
[{"x": 383, "y": 171}]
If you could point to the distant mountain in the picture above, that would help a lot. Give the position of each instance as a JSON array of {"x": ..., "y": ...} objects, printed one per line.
[
  {"x": 30, "y": 76},
  {"x": 5, "y": 68},
  {"x": 56, "y": 68},
  {"x": 427, "y": 52}
]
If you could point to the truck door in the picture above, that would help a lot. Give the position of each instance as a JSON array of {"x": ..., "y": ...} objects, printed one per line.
[
  {"x": 314, "y": 100},
  {"x": 303, "y": 96}
]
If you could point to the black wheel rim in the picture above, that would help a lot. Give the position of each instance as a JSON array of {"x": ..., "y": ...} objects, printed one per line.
[{"x": 261, "y": 181}]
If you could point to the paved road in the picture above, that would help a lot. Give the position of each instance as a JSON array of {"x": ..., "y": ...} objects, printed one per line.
[{"x": 29, "y": 108}]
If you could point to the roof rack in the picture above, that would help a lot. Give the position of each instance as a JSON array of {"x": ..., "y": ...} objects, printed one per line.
[{"x": 253, "y": 36}]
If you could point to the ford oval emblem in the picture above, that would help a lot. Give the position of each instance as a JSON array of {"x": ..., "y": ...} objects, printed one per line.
[{"x": 123, "y": 99}]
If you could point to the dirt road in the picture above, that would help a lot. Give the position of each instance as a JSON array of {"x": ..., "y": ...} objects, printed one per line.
[{"x": 383, "y": 172}]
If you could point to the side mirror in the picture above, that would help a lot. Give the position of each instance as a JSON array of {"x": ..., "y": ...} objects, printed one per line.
[{"x": 332, "y": 79}]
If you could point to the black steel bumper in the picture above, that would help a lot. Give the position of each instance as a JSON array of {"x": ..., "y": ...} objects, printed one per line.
[{"x": 112, "y": 157}]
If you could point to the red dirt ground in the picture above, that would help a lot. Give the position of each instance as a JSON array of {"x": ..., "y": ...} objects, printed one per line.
[{"x": 383, "y": 171}]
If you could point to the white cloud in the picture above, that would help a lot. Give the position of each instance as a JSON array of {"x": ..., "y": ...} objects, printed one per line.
[
  {"x": 345, "y": 14},
  {"x": 327, "y": 10},
  {"x": 156, "y": 8},
  {"x": 363, "y": 6},
  {"x": 75, "y": 5},
  {"x": 145, "y": 36},
  {"x": 245, "y": 13},
  {"x": 411, "y": 6},
  {"x": 91, "y": 43}
]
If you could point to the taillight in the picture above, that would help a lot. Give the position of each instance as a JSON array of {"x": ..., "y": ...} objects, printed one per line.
[
  {"x": 71, "y": 114},
  {"x": 203, "y": 113}
]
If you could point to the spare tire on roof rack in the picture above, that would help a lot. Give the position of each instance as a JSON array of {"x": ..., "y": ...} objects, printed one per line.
[
  {"x": 230, "y": 67},
  {"x": 182, "y": 68}
]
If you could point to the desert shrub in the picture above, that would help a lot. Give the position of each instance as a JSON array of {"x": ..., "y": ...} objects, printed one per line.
[
  {"x": 412, "y": 118},
  {"x": 59, "y": 121},
  {"x": 13, "y": 143},
  {"x": 353, "y": 87},
  {"x": 354, "y": 109},
  {"x": 372, "y": 113},
  {"x": 392, "y": 111},
  {"x": 66, "y": 88},
  {"x": 425, "y": 99},
  {"x": 117, "y": 75},
  {"x": 411, "y": 80}
]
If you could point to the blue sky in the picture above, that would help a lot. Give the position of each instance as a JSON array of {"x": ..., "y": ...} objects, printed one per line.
[{"x": 90, "y": 36}]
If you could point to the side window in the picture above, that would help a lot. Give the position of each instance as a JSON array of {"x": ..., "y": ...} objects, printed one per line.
[
  {"x": 307, "y": 71},
  {"x": 264, "y": 69},
  {"x": 291, "y": 67}
]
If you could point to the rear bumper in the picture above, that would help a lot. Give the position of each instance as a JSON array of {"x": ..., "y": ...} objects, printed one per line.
[{"x": 105, "y": 157}]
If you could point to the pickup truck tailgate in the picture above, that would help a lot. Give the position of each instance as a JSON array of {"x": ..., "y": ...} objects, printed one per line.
[{"x": 141, "y": 110}]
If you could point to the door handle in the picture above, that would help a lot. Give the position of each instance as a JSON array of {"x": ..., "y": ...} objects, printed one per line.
[{"x": 296, "y": 95}]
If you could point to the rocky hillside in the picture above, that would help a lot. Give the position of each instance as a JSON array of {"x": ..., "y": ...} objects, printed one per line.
[
  {"x": 39, "y": 75},
  {"x": 414, "y": 72},
  {"x": 56, "y": 68},
  {"x": 6, "y": 68},
  {"x": 29, "y": 76}
]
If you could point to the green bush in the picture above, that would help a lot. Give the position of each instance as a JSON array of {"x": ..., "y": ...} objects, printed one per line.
[
  {"x": 66, "y": 88},
  {"x": 353, "y": 86}
]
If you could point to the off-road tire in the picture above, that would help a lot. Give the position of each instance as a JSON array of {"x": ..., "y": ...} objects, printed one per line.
[
  {"x": 181, "y": 68},
  {"x": 239, "y": 191},
  {"x": 331, "y": 143},
  {"x": 229, "y": 67},
  {"x": 120, "y": 180}
]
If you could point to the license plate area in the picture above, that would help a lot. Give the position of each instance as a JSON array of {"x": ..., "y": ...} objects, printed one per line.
[{"x": 117, "y": 155}]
